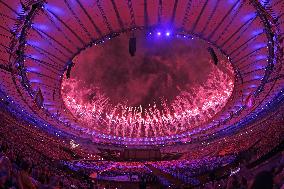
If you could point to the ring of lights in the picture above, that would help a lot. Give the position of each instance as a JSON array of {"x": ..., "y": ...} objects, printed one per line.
[{"x": 18, "y": 56}]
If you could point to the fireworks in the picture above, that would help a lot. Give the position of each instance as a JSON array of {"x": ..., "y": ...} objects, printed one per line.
[{"x": 190, "y": 109}]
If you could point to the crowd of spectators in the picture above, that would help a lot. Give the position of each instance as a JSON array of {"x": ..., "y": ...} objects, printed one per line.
[
  {"x": 233, "y": 176},
  {"x": 186, "y": 170},
  {"x": 25, "y": 169},
  {"x": 265, "y": 179},
  {"x": 29, "y": 159}
]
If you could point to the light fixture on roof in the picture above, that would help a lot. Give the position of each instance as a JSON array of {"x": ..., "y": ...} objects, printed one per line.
[
  {"x": 132, "y": 46},
  {"x": 69, "y": 67},
  {"x": 213, "y": 55}
]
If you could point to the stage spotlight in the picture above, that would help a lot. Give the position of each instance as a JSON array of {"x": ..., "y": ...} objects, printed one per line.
[
  {"x": 159, "y": 33},
  {"x": 132, "y": 46},
  {"x": 213, "y": 55},
  {"x": 168, "y": 34}
]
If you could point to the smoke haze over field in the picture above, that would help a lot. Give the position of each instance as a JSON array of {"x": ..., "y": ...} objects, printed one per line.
[{"x": 161, "y": 68}]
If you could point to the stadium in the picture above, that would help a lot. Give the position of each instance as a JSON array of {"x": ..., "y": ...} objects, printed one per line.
[{"x": 141, "y": 94}]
